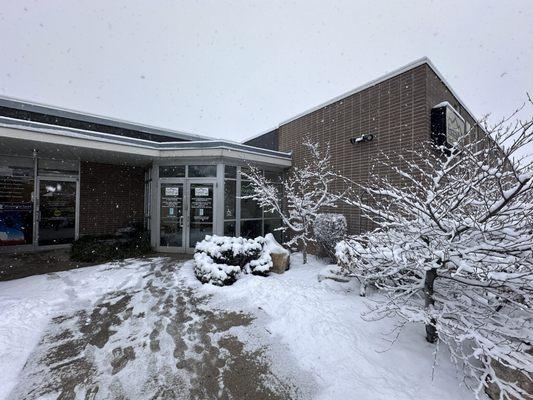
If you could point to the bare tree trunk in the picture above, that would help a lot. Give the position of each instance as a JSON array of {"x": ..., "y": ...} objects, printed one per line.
[
  {"x": 362, "y": 288},
  {"x": 304, "y": 252},
  {"x": 431, "y": 329}
]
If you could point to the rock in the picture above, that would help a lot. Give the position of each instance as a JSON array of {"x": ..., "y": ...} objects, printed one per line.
[
  {"x": 280, "y": 256},
  {"x": 280, "y": 262},
  {"x": 524, "y": 380}
]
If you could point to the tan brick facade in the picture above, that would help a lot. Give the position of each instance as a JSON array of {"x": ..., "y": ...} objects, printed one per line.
[{"x": 397, "y": 112}]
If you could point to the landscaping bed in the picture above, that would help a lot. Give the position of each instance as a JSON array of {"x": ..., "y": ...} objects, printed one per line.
[{"x": 103, "y": 248}]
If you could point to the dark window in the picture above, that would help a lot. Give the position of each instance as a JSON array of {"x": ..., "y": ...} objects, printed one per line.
[
  {"x": 172, "y": 171},
  {"x": 230, "y": 172},
  {"x": 270, "y": 226},
  {"x": 76, "y": 121},
  {"x": 229, "y": 228},
  {"x": 249, "y": 207},
  {"x": 251, "y": 228},
  {"x": 202, "y": 171},
  {"x": 230, "y": 200},
  {"x": 274, "y": 176}
]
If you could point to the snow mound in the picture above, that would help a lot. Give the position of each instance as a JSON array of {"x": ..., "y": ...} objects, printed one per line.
[{"x": 271, "y": 245}]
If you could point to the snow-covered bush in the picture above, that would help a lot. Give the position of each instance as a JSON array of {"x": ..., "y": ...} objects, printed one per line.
[
  {"x": 230, "y": 250},
  {"x": 207, "y": 271},
  {"x": 329, "y": 229},
  {"x": 453, "y": 249},
  {"x": 220, "y": 259}
]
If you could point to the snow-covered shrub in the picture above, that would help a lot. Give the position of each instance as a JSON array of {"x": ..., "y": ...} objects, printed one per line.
[
  {"x": 230, "y": 250},
  {"x": 329, "y": 229},
  {"x": 206, "y": 270},
  {"x": 220, "y": 259},
  {"x": 262, "y": 265}
]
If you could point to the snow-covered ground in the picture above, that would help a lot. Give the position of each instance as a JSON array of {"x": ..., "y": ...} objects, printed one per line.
[
  {"x": 320, "y": 325},
  {"x": 311, "y": 333},
  {"x": 27, "y": 306}
]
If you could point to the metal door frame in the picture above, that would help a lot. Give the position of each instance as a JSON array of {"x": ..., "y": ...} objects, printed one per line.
[
  {"x": 186, "y": 182},
  {"x": 193, "y": 181},
  {"x": 169, "y": 249}
]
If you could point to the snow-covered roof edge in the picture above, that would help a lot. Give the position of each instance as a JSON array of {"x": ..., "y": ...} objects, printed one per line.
[
  {"x": 21, "y": 104},
  {"x": 389, "y": 75},
  {"x": 96, "y": 136}
]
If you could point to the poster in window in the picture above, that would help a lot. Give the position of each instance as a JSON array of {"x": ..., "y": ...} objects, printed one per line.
[
  {"x": 172, "y": 191},
  {"x": 201, "y": 191}
]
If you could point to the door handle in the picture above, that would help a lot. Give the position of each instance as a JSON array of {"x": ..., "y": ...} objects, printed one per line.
[{"x": 181, "y": 221}]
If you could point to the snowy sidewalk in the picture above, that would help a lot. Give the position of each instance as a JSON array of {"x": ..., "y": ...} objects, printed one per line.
[
  {"x": 129, "y": 330},
  {"x": 149, "y": 329}
]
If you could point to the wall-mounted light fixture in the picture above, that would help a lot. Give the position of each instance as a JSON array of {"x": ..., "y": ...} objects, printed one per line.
[{"x": 363, "y": 138}]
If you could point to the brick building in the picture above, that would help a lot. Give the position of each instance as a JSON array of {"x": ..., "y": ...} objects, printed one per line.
[
  {"x": 394, "y": 111},
  {"x": 64, "y": 174}
]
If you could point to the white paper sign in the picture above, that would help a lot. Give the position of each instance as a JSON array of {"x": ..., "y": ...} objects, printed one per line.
[
  {"x": 202, "y": 191},
  {"x": 172, "y": 191}
]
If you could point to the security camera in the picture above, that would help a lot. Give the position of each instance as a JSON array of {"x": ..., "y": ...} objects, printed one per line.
[{"x": 363, "y": 138}]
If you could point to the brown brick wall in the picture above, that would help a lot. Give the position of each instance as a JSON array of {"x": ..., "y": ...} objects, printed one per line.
[
  {"x": 397, "y": 112},
  {"x": 111, "y": 197}
]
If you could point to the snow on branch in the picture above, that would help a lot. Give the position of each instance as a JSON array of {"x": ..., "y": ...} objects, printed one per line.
[
  {"x": 301, "y": 195},
  {"x": 453, "y": 248}
]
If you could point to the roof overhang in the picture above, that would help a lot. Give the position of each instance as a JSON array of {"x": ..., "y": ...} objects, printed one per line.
[{"x": 60, "y": 142}]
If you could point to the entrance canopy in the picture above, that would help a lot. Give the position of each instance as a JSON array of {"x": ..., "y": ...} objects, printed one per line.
[{"x": 22, "y": 137}]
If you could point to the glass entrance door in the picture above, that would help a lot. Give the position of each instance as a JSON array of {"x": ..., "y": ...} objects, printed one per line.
[
  {"x": 172, "y": 215},
  {"x": 57, "y": 212},
  {"x": 201, "y": 200},
  {"x": 186, "y": 213}
]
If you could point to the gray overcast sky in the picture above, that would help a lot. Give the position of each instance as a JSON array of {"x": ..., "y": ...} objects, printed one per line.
[{"x": 234, "y": 69}]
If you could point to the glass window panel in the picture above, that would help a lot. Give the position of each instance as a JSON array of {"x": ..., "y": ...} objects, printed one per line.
[
  {"x": 202, "y": 171},
  {"x": 16, "y": 203},
  {"x": 172, "y": 171},
  {"x": 249, "y": 207},
  {"x": 230, "y": 171},
  {"x": 274, "y": 176},
  {"x": 171, "y": 214},
  {"x": 201, "y": 209},
  {"x": 269, "y": 227},
  {"x": 251, "y": 228},
  {"x": 54, "y": 167},
  {"x": 230, "y": 200},
  {"x": 229, "y": 228},
  {"x": 57, "y": 222},
  {"x": 8, "y": 163}
]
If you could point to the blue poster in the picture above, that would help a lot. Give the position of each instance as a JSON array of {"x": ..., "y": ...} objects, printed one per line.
[{"x": 16, "y": 222}]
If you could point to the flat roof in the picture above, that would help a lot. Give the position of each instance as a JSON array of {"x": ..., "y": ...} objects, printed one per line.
[
  {"x": 392, "y": 74},
  {"x": 100, "y": 137},
  {"x": 24, "y": 105}
]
